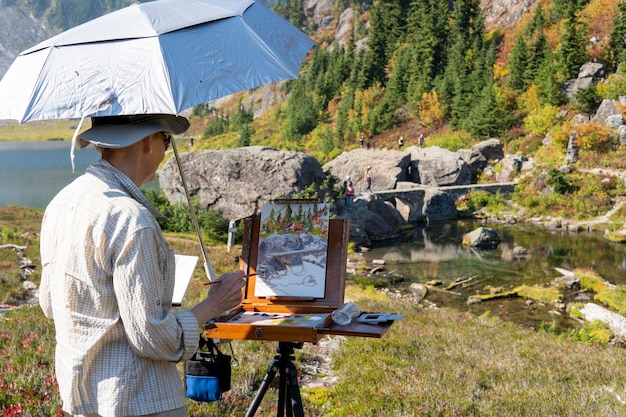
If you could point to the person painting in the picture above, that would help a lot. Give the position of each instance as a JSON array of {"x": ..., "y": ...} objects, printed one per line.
[{"x": 108, "y": 279}]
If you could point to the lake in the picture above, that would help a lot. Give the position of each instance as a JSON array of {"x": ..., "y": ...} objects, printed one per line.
[
  {"x": 33, "y": 172},
  {"x": 435, "y": 252}
]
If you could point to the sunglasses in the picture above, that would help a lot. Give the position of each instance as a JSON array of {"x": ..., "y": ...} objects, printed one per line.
[{"x": 167, "y": 138}]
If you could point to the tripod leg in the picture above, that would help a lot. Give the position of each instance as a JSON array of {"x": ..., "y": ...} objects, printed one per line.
[
  {"x": 283, "y": 398},
  {"x": 295, "y": 404},
  {"x": 267, "y": 380}
]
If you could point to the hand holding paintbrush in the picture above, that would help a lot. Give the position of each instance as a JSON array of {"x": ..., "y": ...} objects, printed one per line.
[
  {"x": 217, "y": 281},
  {"x": 221, "y": 297}
]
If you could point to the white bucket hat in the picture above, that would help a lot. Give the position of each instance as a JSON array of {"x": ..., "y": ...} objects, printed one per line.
[{"x": 122, "y": 131}]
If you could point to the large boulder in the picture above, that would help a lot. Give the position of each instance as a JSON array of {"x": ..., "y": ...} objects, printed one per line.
[
  {"x": 389, "y": 167},
  {"x": 482, "y": 238},
  {"x": 479, "y": 156},
  {"x": 438, "y": 167},
  {"x": 371, "y": 219},
  {"x": 607, "y": 109},
  {"x": 589, "y": 74},
  {"x": 438, "y": 206},
  {"x": 238, "y": 182}
]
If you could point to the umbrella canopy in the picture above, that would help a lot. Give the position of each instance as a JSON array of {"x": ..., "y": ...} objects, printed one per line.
[{"x": 162, "y": 56}]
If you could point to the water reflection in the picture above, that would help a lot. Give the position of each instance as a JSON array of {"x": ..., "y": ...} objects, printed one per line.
[{"x": 435, "y": 252}]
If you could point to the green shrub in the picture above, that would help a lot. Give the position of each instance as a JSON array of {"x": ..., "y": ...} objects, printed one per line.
[
  {"x": 492, "y": 202},
  {"x": 452, "y": 140},
  {"x": 559, "y": 181},
  {"x": 595, "y": 332},
  {"x": 539, "y": 121},
  {"x": 177, "y": 218}
]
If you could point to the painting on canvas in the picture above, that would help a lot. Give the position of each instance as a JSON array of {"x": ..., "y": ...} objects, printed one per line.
[{"x": 293, "y": 242}]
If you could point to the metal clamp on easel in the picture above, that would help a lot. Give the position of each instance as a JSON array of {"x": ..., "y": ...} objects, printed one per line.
[{"x": 376, "y": 318}]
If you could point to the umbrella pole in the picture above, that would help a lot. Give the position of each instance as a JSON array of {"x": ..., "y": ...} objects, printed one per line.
[{"x": 208, "y": 268}]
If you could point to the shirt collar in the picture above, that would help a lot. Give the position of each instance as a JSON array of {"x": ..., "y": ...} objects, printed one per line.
[{"x": 103, "y": 169}]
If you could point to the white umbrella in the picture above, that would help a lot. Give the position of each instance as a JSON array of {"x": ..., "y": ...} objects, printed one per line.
[{"x": 162, "y": 56}]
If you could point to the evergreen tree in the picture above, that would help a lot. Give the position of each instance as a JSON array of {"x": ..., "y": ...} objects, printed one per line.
[
  {"x": 386, "y": 30},
  {"x": 486, "y": 118},
  {"x": 617, "y": 43},
  {"x": 292, "y": 11},
  {"x": 587, "y": 100},
  {"x": 398, "y": 80},
  {"x": 427, "y": 35},
  {"x": 540, "y": 51},
  {"x": 548, "y": 86},
  {"x": 458, "y": 92},
  {"x": 562, "y": 9},
  {"x": 518, "y": 65},
  {"x": 467, "y": 55},
  {"x": 382, "y": 118},
  {"x": 245, "y": 134},
  {"x": 572, "y": 51},
  {"x": 537, "y": 23},
  {"x": 65, "y": 14},
  {"x": 301, "y": 114}
]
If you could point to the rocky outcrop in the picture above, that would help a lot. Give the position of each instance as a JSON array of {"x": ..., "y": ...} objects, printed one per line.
[
  {"x": 238, "y": 182},
  {"x": 432, "y": 166},
  {"x": 479, "y": 156},
  {"x": 389, "y": 167},
  {"x": 608, "y": 114},
  {"x": 589, "y": 74},
  {"x": 322, "y": 13},
  {"x": 371, "y": 219},
  {"x": 438, "y": 167},
  {"x": 18, "y": 31},
  {"x": 438, "y": 206},
  {"x": 505, "y": 14}
]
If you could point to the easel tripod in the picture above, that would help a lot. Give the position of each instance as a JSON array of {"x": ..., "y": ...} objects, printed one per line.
[{"x": 289, "y": 399}]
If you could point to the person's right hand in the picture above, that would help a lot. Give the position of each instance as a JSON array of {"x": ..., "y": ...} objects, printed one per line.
[{"x": 224, "y": 294}]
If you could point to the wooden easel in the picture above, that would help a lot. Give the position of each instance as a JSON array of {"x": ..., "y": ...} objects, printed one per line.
[{"x": 286, "y": 320}]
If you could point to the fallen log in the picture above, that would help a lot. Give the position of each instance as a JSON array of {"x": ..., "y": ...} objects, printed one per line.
[
  {"x": 13, "y": 246},
  {"x": 615, "y": 321},
  {"x": 457, "y": 283}
]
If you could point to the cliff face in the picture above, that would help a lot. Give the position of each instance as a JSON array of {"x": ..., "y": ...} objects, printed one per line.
[
  {"x": 18, "y": 31},
  {"x": 505, "y": 14}
]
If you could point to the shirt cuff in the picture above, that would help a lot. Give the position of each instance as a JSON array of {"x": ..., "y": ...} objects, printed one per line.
[{"x": 190, "y": 325}]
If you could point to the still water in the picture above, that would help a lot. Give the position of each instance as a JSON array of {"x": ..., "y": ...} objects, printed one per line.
[
  {"x": 33, "y": 172},
  {"x": 435, "y": 253}
]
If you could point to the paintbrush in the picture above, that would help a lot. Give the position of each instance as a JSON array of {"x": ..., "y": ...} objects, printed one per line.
[{"x": 217, "y": 281}]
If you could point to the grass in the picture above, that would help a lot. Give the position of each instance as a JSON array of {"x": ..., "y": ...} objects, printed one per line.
[
  {"x": 433, "y": 362},
  {"x": 41, "y": 130}
]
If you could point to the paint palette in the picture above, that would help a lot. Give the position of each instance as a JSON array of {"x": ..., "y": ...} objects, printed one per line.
[{"x": 278, "y": 319}]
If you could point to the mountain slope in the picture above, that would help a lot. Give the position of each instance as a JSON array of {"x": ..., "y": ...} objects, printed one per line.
[{"x": 20, "y": 30}]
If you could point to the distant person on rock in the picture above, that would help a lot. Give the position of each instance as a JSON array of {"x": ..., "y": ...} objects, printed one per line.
[
  {"x": 401, "y": 142},
  {"x": 420, "y": 140},
  {"x": 349, "y": 195},
  {"x": 368, "y": 178}
]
